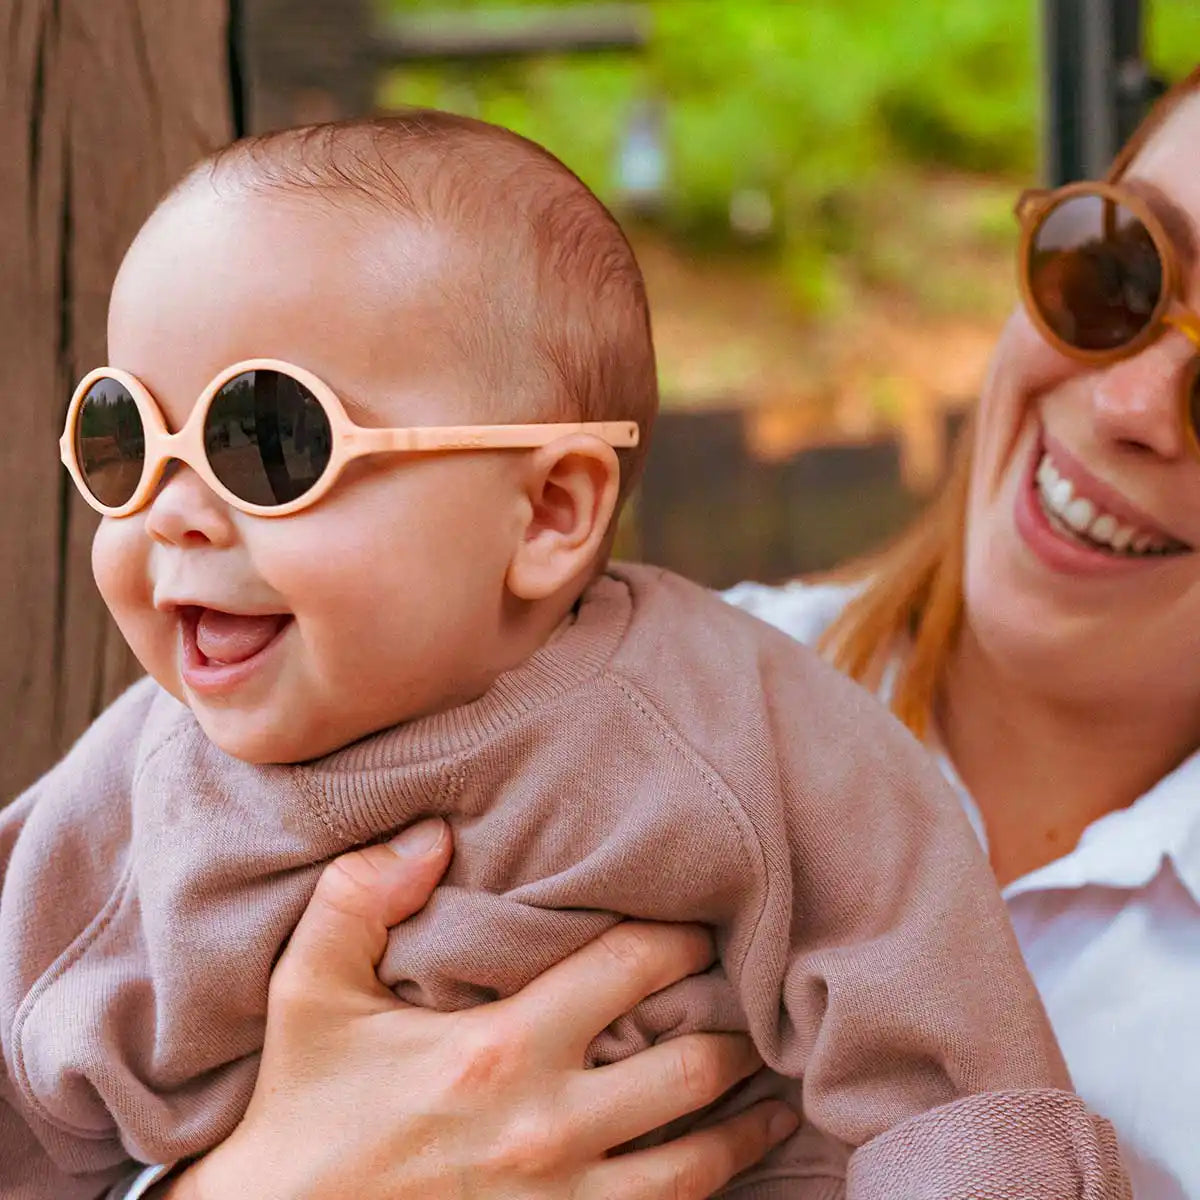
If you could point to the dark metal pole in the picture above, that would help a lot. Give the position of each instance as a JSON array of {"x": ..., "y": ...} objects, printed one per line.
[
  {"x": 1096, "y": 87},
  {"x": 1062, "y": 155}
]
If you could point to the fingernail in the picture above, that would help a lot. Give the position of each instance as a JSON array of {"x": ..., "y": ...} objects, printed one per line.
[
  {"x": 419, "y": 839},
  {"x": 782, "y": 1124}
]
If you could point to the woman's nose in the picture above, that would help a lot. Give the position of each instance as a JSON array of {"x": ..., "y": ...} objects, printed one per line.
[
  {"x": 184, "y": 511},
  {"x": 1136, "y": 402}
]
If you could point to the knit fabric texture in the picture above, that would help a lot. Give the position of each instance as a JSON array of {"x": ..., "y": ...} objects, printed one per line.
[{"x": 665, "y": 757}]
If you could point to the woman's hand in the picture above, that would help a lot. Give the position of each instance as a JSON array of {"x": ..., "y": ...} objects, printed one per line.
[{"x": 359, "y": 1094}]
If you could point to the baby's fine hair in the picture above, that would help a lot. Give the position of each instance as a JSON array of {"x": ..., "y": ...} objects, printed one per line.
[{"x": 552, "y": 303}]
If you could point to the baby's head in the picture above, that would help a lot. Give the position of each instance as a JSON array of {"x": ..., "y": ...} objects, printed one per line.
[{"x": 432, "y": 271}]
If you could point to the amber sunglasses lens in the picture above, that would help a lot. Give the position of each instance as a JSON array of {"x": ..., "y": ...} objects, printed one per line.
[
  {"x": 1192, "y": 411},
  {"x": 110, "y": 442},
  {"x": 1095, "y": 274},
  {"x": 267, "y": 437}
]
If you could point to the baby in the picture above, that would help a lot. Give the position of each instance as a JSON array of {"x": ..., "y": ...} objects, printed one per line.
[{"x": 409, "y": 365}]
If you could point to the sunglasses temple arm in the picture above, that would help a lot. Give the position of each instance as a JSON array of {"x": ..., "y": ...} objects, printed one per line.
[
  {"x": 1187, "y": 324},
  {"x": 619, "y": 434}
]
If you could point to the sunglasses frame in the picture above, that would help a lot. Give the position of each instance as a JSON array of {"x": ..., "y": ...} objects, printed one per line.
[
  {"x": 1032, "y": 210},
  {"x": 349, "y": 441}
]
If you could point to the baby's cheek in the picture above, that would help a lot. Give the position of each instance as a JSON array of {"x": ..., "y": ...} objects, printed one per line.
[{"x": 120, "y": 566}]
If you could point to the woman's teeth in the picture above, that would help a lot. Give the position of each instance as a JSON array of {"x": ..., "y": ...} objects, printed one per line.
[{"x": 1078, "y": 518}]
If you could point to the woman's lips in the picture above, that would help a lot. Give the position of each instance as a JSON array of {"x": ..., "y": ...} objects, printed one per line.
[
  {"x": 1060, "y": 551},
  {"x": 245, "y": 644},
  {"x": 1102, "y": 496}
]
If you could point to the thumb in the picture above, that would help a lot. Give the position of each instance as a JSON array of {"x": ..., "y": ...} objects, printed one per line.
[{"x": 343, "y": 932}]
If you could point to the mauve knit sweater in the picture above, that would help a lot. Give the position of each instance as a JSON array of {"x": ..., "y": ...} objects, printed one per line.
[{"x": 666, "y": 757}]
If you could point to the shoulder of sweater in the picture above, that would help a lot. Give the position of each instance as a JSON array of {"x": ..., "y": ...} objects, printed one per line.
[
  {"x": 722, "y": 636},
  {"x": 130, "y": 730},
  {"x": 761, "y": 709}
]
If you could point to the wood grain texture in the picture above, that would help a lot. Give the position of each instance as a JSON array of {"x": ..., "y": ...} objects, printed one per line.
[{"x": 103, "y": 104}]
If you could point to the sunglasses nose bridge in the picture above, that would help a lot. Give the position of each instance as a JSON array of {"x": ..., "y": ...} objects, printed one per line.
[
  {"x": 167, "y": 455},
  {"x": 171, "y": 448}
]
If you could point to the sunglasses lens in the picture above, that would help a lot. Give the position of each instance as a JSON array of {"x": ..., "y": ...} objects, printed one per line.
[
  {"x": 110, "y": 442},
  {"x": 1095, "y": 274},
  {"x": 267, "y": 438},
  {"x": 1192, "y": 414}
]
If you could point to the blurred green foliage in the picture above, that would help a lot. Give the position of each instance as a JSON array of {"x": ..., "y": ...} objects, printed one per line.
[{"x": 811, "y": 104}]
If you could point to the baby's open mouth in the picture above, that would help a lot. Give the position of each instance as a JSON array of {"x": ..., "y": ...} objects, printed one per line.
[{"x": 224, "y": 638}]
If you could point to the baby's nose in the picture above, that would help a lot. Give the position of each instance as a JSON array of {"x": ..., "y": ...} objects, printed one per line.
[{"x": 184, "y": 511}]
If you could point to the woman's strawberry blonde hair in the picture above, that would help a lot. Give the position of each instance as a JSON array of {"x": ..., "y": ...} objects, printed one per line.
[{"x": 914, "y": 589}]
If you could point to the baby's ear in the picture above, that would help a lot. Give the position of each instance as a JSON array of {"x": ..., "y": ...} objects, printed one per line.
[{"x": 571, "y": 489}]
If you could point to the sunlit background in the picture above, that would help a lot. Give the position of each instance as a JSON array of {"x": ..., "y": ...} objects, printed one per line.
[
  {"x": 821, "y": 195},
  {"x": 820, "y": 192}
]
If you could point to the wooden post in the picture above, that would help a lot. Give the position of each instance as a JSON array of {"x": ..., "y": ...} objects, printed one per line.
[{"x": 103, "y": 103}]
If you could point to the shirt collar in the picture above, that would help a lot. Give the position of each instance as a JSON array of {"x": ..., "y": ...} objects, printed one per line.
[{"x": 1122, "y": 849}]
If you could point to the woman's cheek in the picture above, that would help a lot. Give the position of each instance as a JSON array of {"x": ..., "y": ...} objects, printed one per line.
[
  {"x": 1023, "y": 369},
  {"x": 1024, "y": 365}
]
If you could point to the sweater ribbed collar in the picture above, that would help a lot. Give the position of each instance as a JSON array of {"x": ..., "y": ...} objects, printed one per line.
[{"x": 363, "y": 786}]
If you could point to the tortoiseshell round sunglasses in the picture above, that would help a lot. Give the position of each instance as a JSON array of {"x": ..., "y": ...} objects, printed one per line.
[
  {"x": 1101, "y": 278},
  {"x": 267, "y": 436}
]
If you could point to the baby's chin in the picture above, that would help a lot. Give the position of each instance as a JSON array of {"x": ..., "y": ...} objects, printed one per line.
[
  {"x": 290, "y": 721},
  {"x": 251, "y": 737},
  {"x": 259, "y": 743},
  {"x": 255, "y": 726},
  {"x": 268, "y": 739}
]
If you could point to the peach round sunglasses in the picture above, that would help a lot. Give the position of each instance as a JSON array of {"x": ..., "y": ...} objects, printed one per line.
[{"x": 267, "y": 436}]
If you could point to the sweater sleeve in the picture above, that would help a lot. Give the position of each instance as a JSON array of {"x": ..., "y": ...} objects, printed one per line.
[
  {"x": 883, "y": 971},
  {"x": 26, "y": 1170},
  {"x": 60, "y": 842},
  {"x": 12, "y": 820}
]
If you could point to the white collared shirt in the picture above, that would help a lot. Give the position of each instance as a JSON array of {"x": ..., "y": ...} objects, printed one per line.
[{"x": 1111, "y": 935}]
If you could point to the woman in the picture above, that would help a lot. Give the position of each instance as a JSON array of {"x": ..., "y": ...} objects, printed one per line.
[
  {"x": 1039, "y": 629},
  {"x": 1042, "y": 627}
]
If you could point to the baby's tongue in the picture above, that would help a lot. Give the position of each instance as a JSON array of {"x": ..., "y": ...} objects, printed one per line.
[{"x": 229, "y": 638}]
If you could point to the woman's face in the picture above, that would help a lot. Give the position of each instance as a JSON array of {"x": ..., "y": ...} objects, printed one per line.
[{"x": 1062, "y": 446}]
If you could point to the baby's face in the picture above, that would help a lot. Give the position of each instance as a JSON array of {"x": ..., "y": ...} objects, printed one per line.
[{"x": 291, "y": 636}]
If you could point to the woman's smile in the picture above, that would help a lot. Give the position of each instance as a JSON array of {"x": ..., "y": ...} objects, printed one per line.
[
  {"x": 1077, "y": 524},
  {"x": 1082, "y": 505}
]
